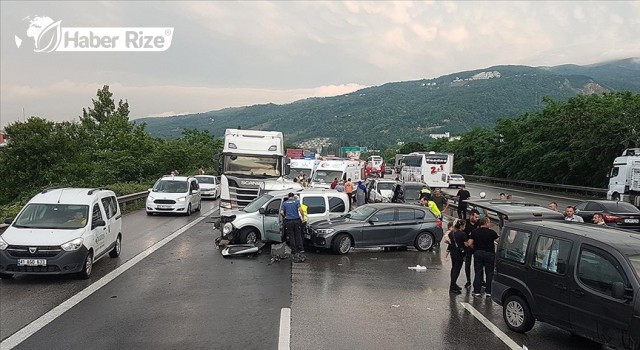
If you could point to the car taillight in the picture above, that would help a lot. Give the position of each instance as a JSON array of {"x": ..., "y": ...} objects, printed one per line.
[
  {"x": 439, "y": 223},
  {"x": 611, "y": 218}
]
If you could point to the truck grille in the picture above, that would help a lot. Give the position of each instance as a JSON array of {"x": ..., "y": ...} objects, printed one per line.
[{"x": 41, "y": 252}]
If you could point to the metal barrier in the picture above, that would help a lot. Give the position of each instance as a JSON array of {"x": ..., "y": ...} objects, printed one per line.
[{"x": 540, "y": 185}]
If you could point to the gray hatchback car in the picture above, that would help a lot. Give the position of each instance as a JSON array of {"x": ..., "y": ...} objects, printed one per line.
[{"x": 377, "y": 225}]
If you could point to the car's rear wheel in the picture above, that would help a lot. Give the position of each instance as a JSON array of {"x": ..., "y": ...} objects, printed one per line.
[
  {"x": 424, "y": 241},
  {"x": 517, "y": 314},
  {"x": 249, "y": 236},
  {"x": 87, "y": 267},
  {"x": 6, "y": 275},
  {"x": 115, "y": 252},
  {"x": 341, "y": 244}
]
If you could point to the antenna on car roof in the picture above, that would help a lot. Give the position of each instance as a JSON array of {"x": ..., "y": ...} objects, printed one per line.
[{"x": 59, "y": 197}]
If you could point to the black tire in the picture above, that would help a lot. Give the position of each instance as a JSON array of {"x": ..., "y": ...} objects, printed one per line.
[
  {"x": 341, "y": 244},
  {"x": 615, "y": 196},
  {"x": 249, "y": 236},
  {"x": 149, "y": 213},
  {"x": 424, "y": 241},
  {"x": 115, "y": 252},
  {"x": 87, "y": 267},
  {"x": 188, "y": 212},
  {"x": 6, "y": 276},
  {"x": 199, "y": 206},
  {"x": 517, "y": 314}
]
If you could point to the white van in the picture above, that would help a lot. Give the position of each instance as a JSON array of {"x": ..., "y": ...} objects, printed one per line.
[
  {"x": 260, "y": 220},
  {"x": 62, "y": 231}
]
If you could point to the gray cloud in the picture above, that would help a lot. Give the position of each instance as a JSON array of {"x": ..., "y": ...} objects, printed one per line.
[{"x": 233, "y": 53}]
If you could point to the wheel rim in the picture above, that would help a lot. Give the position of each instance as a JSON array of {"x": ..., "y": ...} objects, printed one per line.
[
  {"x": 425, "y": 241},
  {"x": 252, "y": 237},
  {"x": 118, "y": 245},
  {"x": 345, "y": 244},
  {"x": 515, "y": 314},
  {"x": 88, "y": 264}
]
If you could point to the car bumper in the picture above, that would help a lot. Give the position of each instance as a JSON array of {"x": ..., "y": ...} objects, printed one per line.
[
  {"x": 167, "y": 208},
  {"x": 313, "y": 240},
  {"x": 63, "y": 262},
  {"x": 208, "y": 193}
]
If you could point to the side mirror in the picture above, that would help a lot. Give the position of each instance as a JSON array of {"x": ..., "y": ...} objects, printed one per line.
[
  {"x": 261, "y": 211},
  {"x": 8, "y": 221},
  {"x": 617, "y": 290},
  {"x": 98, "y": 223},
  {"x": 373, "y": 219},
  {"x": 150, "y": 190}
]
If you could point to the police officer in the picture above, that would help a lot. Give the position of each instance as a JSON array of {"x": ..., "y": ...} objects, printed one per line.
[{"x": 292, "y": 213}]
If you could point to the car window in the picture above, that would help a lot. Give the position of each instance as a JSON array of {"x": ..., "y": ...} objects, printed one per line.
[
  {"x": 551, "y": 254},
  {"x": 336, "y": 205},
  {"x": 514, "y": 245},
  {"x": 620, "y": 207},
  {"x": 385, "y": 215},
  {"x": 635, "y": 262},
  {"x": 614, "y": 171},
  {"x": 581, "y": 206},
  {"x": 420, "y": 214},
  {"x": 273, "y": 207},
  {"x": 406, "y": 214},
  {"x": 315, "y": 205},
  {"x": 598, "y": 270},
  {"x": 96, "y": 214},
  {"x": 593, "y": 206},
  {"x": 110, "y": 208}
]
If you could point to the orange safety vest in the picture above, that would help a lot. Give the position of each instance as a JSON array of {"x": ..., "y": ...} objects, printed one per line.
[{"x": 348, "y": 187}]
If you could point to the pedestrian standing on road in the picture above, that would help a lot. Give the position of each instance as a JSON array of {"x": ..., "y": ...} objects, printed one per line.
[
  {"x": 440, "y": 200},
  {"x": 458, "y": 241},
  {"x": 598, "y": 219},
  {"x": 348, "y": 189},
  {"x": 425, "y": 192},
  {"x": 334, "y": 183},
  {"x": 340, "y": 186},
  {"x": 361, "y": 194},
  {"x": 201, "y": 170},
  {"x": 292, "y": 213},
  {"x": 398, "y": 194},
  {"x": 569, "y": 215},
  {"x": 447, "y": 240},
  {"x": 462, "y": 195},
  {"x": 470, "y": 224},
  {"x": 424, "y": 202},
  {"x": 482, "y": 240}
]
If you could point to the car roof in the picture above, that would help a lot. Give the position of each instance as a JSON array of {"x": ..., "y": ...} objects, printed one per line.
[
  {"x": 394, "y": 205},
  {"x": 627, "y": 242},
  {"x": 305, "y": 191},
  {"x": 204, "y": 176},
  {"x": 515, "y": 210},
  {"x": 69, "y": 196},
  {"x": 175, "y": 178}
]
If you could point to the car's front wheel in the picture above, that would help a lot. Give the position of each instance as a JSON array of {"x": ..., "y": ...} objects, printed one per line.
[
  {"x": 87, "y": 267},
  {"x": 341, "y": 244},
  {"x": 6, "y": 275},
  {"x": 188, "y": 212},
  {"x": 517, "y": 314},
  {"x": 249, "y": 236},
  {"x": 424, "y": 241}
]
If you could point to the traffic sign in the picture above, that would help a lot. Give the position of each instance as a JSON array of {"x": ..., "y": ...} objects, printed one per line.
[{"x": 349, "y": 149}]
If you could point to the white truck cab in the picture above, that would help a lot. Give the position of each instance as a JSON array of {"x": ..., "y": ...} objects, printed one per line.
[
  {"x": 341, "y": 169},
  {"x": 624, "y": 177},
  {"x": 61, "y": 231}
]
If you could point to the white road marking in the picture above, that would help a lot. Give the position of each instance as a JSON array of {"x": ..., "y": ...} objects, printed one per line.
[
  {"x": 285, "y": 329},
  {"x": 24, "y": 333},
  {"x": 500, "y": 334}
]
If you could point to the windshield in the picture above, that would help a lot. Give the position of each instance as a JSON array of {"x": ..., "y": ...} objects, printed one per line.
[
  {"x": 257, "y": 203},
  {"x": 205, "y": 180},
  {"x": 620, "y": 207},
  {"x": 412, "y": 160},
  {"x": 53, "y": 216},
  {"x": 412, "y": 192},
  {"x": 260, "y": 166},
  {"x": 635, "y": 262},
  {"x": 296, "y": 172},
  {"x": 171, "y": 186},
  {"x": 386, "y": 186},
  {"x": 326, "y": 175},
  {"x": 361, "y": 213}
]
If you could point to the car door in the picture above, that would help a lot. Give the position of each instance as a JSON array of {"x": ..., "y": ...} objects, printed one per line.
[
  {"x": 549, "y": 279},
  {"x": 195, "y": 194},
  {"x": 407, "y": 225},
  {"x": 112, "y": 218},
  {"x": 99, "y": 234},
  {"x": 595, "y": 312},
  {"x": 586, "y": 210},
  {"x": 271, "y": 222},
  {"x": 379, "y": 229}
]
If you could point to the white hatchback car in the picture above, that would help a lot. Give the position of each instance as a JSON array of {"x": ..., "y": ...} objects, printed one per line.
[
  {"x": 62, "y": 231},
  {"x": 174, "y": 194},
  {"x": 209, "y": 186},
  {"x": 456, "y": 180}
]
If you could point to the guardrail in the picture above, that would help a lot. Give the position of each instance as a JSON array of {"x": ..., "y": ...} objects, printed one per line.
[
  {"x": 123, "y": 201},
  {"x": 539, "y": 185}
]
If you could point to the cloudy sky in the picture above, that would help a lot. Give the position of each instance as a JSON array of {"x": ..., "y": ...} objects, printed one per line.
[{"x": 226, "y": 54}]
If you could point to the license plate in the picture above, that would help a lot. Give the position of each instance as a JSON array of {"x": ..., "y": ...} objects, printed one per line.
[
  {"x": 307, "y": 236},
  {"x": 164, "y": 207},
  {"x": 631, "y": 221},
  {"x": 32, "y": 262}
]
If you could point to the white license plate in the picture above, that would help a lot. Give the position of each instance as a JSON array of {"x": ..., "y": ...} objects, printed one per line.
[
  {"x": 632, "y": 221},
  {"x": 164, "y": 207},
  {"x": 32, "y": 262},
  {"x": 307, "y": 236}
]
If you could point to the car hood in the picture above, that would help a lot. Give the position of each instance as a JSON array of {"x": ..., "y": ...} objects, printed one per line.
[
  {"x": 336, "y": 223},
  {"x": 162, "y": 195},
  {"x": 39, "y": 237}
]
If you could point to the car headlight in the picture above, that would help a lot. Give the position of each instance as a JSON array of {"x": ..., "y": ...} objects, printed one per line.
[
  {"x": 150, "y": 198},
  {"x": 324, "y": 231},
  {"x": 225, "y": 205},
  {"x": 3, "y": 244},
  {"x": 72, "y": 245},
  {"x": 181, "y": 199},
  {"x": 227, "y": 228}
]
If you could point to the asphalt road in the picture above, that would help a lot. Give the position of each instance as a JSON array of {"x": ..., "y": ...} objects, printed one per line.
[{"x": 185, "y": 295}]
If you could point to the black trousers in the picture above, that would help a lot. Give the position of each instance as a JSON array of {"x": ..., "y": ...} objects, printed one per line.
[
  {"x": 293, "y": 229},
  {"x": 484, "y": 261},
  {"x": 462, "y": 211},
  {"x": 467, "y": 263},
  {"x": 456, "y": 266}
]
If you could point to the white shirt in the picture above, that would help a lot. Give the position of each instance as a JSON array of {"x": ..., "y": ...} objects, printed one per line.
[{"x": 575, "y": 218}]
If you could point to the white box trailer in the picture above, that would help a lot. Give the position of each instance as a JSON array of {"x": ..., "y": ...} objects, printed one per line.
[{"x": 341, "y": 169}]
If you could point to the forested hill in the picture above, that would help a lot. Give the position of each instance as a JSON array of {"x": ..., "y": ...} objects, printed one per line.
[{"x": 409, "y": 110}]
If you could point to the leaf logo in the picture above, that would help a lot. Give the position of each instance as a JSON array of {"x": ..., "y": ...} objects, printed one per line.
[{"x": 49, "y": 38}]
